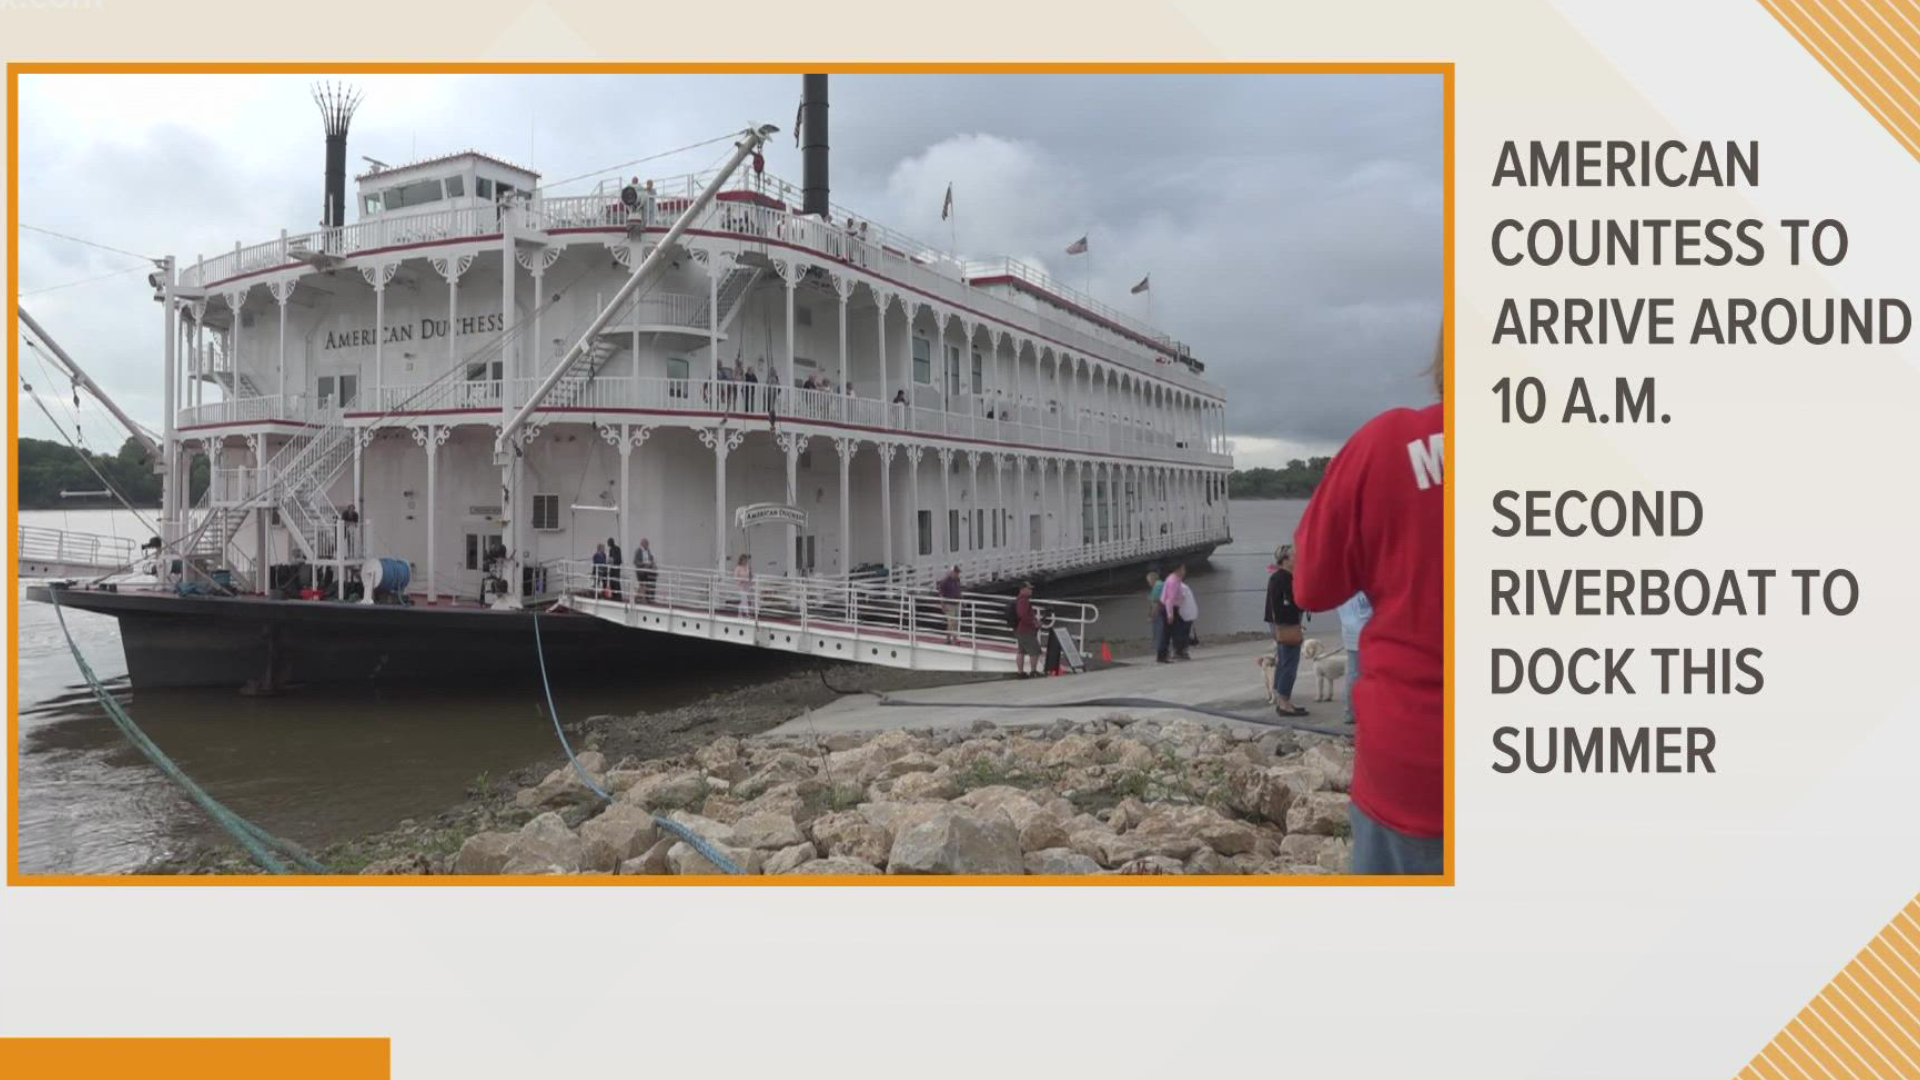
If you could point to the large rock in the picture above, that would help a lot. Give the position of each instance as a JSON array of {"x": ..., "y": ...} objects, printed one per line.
[
  {"x": 1267, "y": 794},
  {"x": 655, "y": 859},
  {"x": 957, "y": 840},
  {"x": 834, "y": 865},
  {"x": 684, "y": 858},
  {"x": 767, "y": 831},
  {"x": 1330, "y": 852},
  {"x": 661, "y": 792},
  {"x": 1038, "y": 827},
  {"x": 1322, "y": 813},
  {"x": 718, "y": 832},
  {"x": 621, "y": 832},
  {"x": 1060, "y": 861},
  {"x": 565, "y": 786},
  {"x": 1334, "y": 760},
  {"x": 544, "y": 846},
  {"x": 483, "y": 853},
  {"x": 785, "y": 767},
  {"x": 850, "y": 835},
  {"x": 924, "y": 787},
  {"x": 911, "y": 762},
  {"x": 1074, "y": 750},
  {"x": 722, "y": 758},
  {"x": 788, "y": 859},
  {"x": 1203, "y": 824},
  {"x": 1153, "y": 864}
]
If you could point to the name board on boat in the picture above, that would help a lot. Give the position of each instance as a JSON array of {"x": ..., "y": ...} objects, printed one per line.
[
  {"x": 425, "y": 329},
  {"x": 769, "y": 514}
]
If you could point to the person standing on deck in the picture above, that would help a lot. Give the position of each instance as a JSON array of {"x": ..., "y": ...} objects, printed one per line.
[
  {"x": 599, "y": 570},
  {"x": 752, "y": 379},
  {"x": 743, "y": 584},
  {"x": 1376, "y": 525},
  {"x": 645, "y": 571},
  {"x": 614, "y": 574},
  {"x": 1026, "y": 631},
  {"x": 1283, "y": 618},
  {"x": 949, "y": 590},
  {"x": 1182, "y": 610}
]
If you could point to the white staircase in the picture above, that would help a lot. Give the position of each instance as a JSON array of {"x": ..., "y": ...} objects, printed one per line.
[
  {"x": 731, "y": 295},
  {"x": 302, "y": 473},
  {"x": 573, "y": 388},
  {"x": 236, "y": 386}
]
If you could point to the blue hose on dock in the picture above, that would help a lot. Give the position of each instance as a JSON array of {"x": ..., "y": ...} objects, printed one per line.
[{"x": 693, "y": 839}]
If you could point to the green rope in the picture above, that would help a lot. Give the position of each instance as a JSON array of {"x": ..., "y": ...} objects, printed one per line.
[{"x": 271, "y": 852}]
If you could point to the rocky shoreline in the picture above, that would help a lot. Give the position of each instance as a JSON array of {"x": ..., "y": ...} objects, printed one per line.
[{"x": 1099, "y": 796}]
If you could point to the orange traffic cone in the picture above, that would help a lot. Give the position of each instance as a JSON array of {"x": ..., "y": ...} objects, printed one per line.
[{"x": 1106, "y": 653}]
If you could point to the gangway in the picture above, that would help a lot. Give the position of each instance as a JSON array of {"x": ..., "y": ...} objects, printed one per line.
[
  {"x": 57, "y": 553},
  {"x": 833, "y": 617}
]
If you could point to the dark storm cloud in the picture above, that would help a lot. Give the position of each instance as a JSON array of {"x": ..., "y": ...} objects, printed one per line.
[{"x": 1292, "y": 224}]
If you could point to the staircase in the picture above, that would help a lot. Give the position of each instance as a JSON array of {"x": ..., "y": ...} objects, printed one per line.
[
  {"x": 302, "y": 473},
  {"x": 574, "y": 387},
  {"x": 731, "y": 295},
  {"x": 213, "y": 543},
  {"x": 236, "y": 386}
]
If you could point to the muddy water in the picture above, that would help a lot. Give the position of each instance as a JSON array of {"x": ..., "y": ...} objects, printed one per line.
[{"x": 327, "y": 764}]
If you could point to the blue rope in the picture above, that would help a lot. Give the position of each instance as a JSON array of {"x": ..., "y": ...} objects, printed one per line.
[
  {"x": 259, "y": 844},
  {"x": 693, "y": 839}
]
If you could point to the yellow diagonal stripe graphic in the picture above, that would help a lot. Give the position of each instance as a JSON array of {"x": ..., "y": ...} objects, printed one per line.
[
  {"x": 1872, "y": 47},
  {"x": 1865, "y": 1025}
]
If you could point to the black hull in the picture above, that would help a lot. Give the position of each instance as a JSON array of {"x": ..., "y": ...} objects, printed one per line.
[
  {"x": 1091, "y": 579},
  {"x": 176, "y": 641}
]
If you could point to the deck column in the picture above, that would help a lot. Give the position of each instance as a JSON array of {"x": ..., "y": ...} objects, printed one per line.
[
  {"x": 1020, "y": 502},
  {"x": 452, "y": 268},
  {"x": 282, "y": 292},
  {"x": 626, "y": 439},
  {"x": 378, "y": 277},
  {"x": 881, "y": 300},
  {"x": 843, "y": 287},
  {"x": 999, "y": 504},
  {"x": 431, "y": 438},
  {"x": 886, "y": 451},
  {"x": 975, "y": 541},
  {"x": 946, "y": 503},
  {"x": 722, "y": 441},
  {"x": 792, "y": 444},
  {"x": 846, "y": 448},
  {"x": 914, "y": 454}
]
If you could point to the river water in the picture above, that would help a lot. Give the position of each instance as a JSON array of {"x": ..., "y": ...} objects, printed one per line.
[{"x": 321, "y": 765}]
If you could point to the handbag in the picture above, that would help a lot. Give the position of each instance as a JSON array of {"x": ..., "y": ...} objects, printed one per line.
[{"x": 1288, "y": 635}]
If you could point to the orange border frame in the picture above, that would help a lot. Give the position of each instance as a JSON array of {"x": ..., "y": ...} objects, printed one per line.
[{"x": 14, "y": 71}]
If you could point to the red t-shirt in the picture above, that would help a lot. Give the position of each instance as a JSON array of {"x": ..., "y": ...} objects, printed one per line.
[{"x": 1377, "y": 525}]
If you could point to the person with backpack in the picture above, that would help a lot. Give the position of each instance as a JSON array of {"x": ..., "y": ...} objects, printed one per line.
[{"x": 1026, "y": 630}]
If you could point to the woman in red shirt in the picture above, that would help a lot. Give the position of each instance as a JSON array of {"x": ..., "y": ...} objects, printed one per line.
[{"x": 1377, "y": 525}]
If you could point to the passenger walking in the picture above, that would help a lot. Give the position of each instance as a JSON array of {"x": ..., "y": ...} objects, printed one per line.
[
  {"x": 949, "y": 590},
  {"x": 1353, "y": 618},
  {"x": 1283, "y": 618},
  {"x": 1376, "y": 525},
  {"x": 1026, "y": 632},
  {"x": 615, "y": 576},
  {"x": 752, "y": 379},
  {"x": 1182, "y": 610},
  {"x": 645, "y": 572}
]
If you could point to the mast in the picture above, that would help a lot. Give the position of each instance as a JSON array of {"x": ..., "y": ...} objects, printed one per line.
[{"x": 73, "y": 370}]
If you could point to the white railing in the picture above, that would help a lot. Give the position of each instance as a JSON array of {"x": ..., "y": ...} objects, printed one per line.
[
  {"x": 233, "y": 486},
  {"x": 838, "y": 606},
  {"x": 39, "y": 544},
  {"x": 752, "y": 401},
  {"x": 382, "y": 232},
  {"x": 291, "y": 407}
]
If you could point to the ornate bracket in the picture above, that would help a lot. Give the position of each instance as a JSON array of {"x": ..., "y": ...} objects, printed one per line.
[
  {"x": 282, "y": 290},
  {"x": 722, "y": 440},
  {"x": 843, "y": 285},
  {"x": 914, "y": 453},
  {"x": 791, "y": 443},
  {"x": 379, "y": 274},
  {"x": 886, "y": 451},
  {"x": 625, "y": 439},
  {"x": 537, "y": 259},
  {"x": 451, "y": 268},
  {"x": 235, "y": 298},
  {"x": 846, "y": 448},
  {"x": 431, "y": 437}
]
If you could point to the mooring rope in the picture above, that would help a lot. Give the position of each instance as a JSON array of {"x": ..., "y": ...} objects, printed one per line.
[
  {"x": 265, "y": 848},
  {"x": 693, "y": 839}
]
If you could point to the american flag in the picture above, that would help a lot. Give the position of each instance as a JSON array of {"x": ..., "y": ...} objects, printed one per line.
[{"x": 1078, "y": 247}]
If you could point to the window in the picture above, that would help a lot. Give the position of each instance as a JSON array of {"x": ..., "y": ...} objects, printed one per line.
[
  {"x": 456, "y": 186},
  {"x": 418, "y": 193},
  {"x": 677, "y": 371},
  {"x": 953, "y": 370},
  {"x": 803, "y": 548},
  {"x": 477, "y": 545},
  {"x": 802, "y": 316},
  {"x": 325, "y": 388},
  {"x": 953, "y": 531},
  {"x": 925, "y": 529},
  {"x": 977, "y": 370},
  {"x": 922, "y": 361},
  {"x": 483, "y": 187},
  {"x": 502, "y": 191},
  {"x": 979, "y": 528},
  {"x": 370, "y": 204},
  {"x": 349, "y": 389},
  {"x": 546, "y": 513}
]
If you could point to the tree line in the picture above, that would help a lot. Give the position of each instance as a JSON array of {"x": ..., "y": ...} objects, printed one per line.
[
  {"x": 47, "y": 468},
  {"x": 1296, "y": 481}
]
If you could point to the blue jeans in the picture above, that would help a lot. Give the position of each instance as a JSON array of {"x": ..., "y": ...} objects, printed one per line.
[
  {"x": 1160, "y": 638},
  {"x": 1353, "y": 676},
  {"x": 1286, "y": 669},
  {"x": 1380, "y": 850}
]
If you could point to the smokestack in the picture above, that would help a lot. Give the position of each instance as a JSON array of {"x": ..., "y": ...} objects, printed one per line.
[
  {"x": 813, "y": 144},
  {"x": 337, "y": 102}
]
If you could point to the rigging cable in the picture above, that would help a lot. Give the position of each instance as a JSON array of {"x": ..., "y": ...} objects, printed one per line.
[
  {"x": 641, "y": 160},
  {"x": 89, "y": 243}
]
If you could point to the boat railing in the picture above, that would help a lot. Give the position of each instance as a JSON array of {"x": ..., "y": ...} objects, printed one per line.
[
  {"x": 841, "y": 605},
  {"x": 1011, "y": 566},
  {"x": 40, "y": 544},
  {"x": 297, "y": 408}
]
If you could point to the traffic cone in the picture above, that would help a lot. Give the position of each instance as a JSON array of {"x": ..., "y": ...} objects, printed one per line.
[{"x": 1106, "y": 653}]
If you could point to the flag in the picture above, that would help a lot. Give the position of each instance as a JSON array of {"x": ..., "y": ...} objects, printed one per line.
[
  {"x": 1145, "y": 284},
  {"x": 946, "y": 208},
  {"x": 1078, "y": 247}
]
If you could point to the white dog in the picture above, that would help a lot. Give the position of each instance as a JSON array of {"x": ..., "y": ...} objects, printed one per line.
[
  {"x": 1329, "y": 666},
  {"x": 1265, "y": 663}
]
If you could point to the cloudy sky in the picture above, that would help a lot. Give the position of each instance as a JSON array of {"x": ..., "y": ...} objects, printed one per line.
[{"x": 1292, "y": 223}]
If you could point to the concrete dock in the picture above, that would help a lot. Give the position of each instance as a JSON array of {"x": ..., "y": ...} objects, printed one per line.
[{"x": 1224, "y": 678}]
